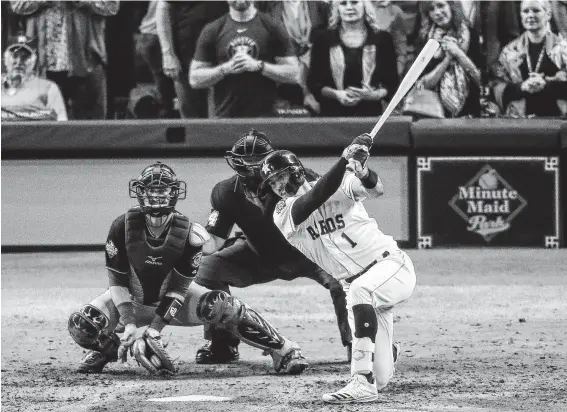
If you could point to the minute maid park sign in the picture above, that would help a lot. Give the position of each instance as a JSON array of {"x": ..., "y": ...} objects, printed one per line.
[{"x": 487, "y": 203}]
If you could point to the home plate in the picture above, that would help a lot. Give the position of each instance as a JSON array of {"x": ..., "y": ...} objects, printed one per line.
[{"x": 192, "y": 398}]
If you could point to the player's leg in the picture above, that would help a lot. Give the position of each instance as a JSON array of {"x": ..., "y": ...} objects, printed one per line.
[
  {"x": 390, "y": 282},
  {"x": 237, "y": 265},
  {"x": 338, "y": 296},
  {"x": 386, "y": 284},
  {"x": 93, "y": 327},
  {"x": 223, "y": 310}
]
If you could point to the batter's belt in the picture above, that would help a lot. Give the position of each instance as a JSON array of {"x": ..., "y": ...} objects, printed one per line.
[{"x": 352, "y": 278}]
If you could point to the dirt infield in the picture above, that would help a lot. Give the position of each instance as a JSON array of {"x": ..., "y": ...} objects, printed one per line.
[{"x": 486, "y": 330}]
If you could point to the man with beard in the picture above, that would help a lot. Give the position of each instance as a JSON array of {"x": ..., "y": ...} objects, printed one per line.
[{"x": 244, "y": 54}]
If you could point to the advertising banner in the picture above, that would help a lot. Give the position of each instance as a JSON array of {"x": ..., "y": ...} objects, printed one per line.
[{"x": 488, "y": 201}]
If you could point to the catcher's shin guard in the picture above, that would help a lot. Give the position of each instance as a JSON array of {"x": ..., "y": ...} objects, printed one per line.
[
  {"x": 221, "y": 309},
  {"x": 88, "y": 327}
]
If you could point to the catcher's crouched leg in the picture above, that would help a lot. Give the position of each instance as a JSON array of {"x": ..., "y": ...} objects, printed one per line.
[
  {"x": 221, "y": 309},
  {"x": 89, "y": 328}
]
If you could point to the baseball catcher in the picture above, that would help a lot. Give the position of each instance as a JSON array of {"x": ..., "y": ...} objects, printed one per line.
[{"x": 153, "y": 253}]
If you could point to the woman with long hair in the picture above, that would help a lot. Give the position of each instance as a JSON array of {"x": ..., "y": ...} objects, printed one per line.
[
  {"x": 353, "y": 64},
  {"x": 454, "y": 70},
  {"x": 531, "y": 72}
]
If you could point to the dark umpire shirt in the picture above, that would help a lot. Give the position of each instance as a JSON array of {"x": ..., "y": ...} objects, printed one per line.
[{"x": 231, "y": 207}]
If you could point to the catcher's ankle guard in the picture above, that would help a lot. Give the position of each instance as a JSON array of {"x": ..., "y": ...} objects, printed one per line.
[
  {"x": 88, "y": 327},
  {"x": 221, "y": 309}
]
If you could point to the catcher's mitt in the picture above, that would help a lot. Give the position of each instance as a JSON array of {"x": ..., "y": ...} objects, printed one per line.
[{"x": 149, "y": 351}]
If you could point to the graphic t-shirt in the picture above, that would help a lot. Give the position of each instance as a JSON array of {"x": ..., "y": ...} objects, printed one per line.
[{"x": 248, "y": 94}]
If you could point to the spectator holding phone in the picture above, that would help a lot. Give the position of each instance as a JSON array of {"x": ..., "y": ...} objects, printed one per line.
[{"x": 353, "y": 64}]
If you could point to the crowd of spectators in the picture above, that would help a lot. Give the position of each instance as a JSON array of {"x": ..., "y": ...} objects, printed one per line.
[{"x": 215, "y": 59}]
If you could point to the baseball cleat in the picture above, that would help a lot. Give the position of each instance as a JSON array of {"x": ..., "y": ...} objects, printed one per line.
[
  {"x": 94, "y": 362},
  {"x": 211, "y": 354},
  {"x": 289, "y": 359},
  {"x": 358, "y": 390}
]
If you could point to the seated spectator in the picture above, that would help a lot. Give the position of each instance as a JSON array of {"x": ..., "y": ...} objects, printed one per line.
[
  {"x": 454, "y": 70},
  {"x": 244, "y": 54},
  {"x": 24, "y": 95},
  {"x": 148, "y": 47},
  {"x": 71, "y": 49},
  {"x": 300, "y": 19},
  {"x": 531, "y": 72},
  {"x": 353, "y": 65},
  {"x": 390, "y": 18}
]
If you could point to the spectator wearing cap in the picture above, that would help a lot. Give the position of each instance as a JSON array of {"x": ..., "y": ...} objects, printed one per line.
[
  {"x": 24, "y": 95},
  {"x": 71, "y": 49}
]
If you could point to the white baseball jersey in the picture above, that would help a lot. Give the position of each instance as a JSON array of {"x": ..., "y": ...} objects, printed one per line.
[{"x": 339, "y": 236}]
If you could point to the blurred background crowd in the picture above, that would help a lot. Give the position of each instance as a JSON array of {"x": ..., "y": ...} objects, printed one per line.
[{"x": 107, "y": 59}]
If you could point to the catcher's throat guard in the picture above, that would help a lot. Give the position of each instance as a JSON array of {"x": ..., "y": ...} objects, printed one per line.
[{"x": 157, "y": 189}]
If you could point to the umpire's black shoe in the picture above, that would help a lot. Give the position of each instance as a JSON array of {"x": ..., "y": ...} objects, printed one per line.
[
  {"x": 209, "y": 354},
  {"x": 94, "y": 362}
]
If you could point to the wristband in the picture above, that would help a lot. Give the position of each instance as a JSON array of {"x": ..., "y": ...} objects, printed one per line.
[
  {"x": 261, "y": 66},
  {"x": 370, "y": 181},
  {"x": 168, "y": 308},
  {"x": 126, "y": 311}
]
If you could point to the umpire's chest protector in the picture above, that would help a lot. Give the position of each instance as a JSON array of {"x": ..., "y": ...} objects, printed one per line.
[{"x": 153, "y": 263}]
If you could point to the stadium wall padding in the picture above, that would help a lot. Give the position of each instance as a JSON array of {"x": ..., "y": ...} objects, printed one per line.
[{"x": 72, "y": 202}]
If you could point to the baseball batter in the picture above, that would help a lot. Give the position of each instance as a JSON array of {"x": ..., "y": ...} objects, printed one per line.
[{"x": 326, "y": 220}]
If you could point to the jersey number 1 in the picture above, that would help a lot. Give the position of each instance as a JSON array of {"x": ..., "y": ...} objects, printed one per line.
[{"x": 348, "y": 239}]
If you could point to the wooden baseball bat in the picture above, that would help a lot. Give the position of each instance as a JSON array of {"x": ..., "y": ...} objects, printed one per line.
[{"x": 408, "y": 81}]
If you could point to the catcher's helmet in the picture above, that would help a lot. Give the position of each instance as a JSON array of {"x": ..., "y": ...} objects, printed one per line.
[
  {"x": 157, "y": 189},
  {"x": 278, "y": 162}
]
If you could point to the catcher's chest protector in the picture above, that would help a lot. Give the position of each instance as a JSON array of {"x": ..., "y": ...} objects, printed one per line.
[{"x": 153, "y": 263}]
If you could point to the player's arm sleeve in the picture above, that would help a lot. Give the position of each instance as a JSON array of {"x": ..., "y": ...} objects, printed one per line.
[
  {"x": 360, "y": 189},
  {"x": 181, "y": 277},
  {"x": 119, "y": 270},
  {"x": 115, "y": 253},
  {"x": 282, "y": 217},
  {"x": 305, "y": 205},
  {"x": 220, "y": 222}
]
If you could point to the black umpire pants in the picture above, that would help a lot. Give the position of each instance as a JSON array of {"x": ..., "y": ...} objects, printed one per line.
[{"x": 240, "y": 266}]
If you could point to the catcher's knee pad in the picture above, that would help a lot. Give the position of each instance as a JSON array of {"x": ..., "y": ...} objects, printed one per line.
[
  {"x": 88, "y": 327},
  {"x": 221, "y": 309},
  {"x": 365, "y": 322}
]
